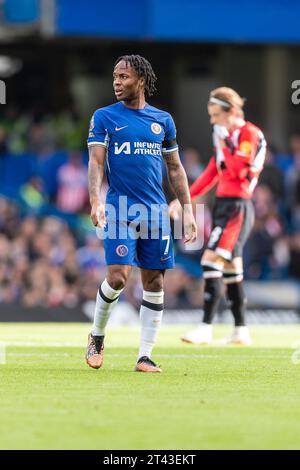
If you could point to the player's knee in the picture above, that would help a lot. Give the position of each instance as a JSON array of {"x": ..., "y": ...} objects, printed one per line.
[
  {"x": 233, "y": 276},
  {"x": 117, "y": 280},
  {"x": 153, "y": 280},
  {"x": 153, "y": 285},
  {"x": 211, "y": 270},
  {"x": 210, "y": 256}
]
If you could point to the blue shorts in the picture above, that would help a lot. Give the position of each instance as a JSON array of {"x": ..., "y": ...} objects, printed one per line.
[{"x": 133, "y": 245}]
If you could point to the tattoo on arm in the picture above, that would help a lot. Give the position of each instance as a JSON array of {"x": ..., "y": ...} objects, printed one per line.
[
  {"x": 95, "y": 174},
  {"x": 178, "y": 178}
]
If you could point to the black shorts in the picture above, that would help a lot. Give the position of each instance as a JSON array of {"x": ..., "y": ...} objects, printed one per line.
[{"x": 233, "y": 219}]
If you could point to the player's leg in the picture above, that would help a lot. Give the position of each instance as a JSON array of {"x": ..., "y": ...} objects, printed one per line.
[
  {"x": 233, "y": 278},
  {"x": 119, "y": 254},
  {"x": 107, "y": 297},
  {"x": 151, "y": 312},
  {"x": 212, "y": 265},
  {"x": 155, "y": 255},
  {"x": 233, "y": 275},
  {"x": 228, "y": 223}
]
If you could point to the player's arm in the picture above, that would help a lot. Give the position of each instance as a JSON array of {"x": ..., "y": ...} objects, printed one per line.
[
  {"x": 175, "y": 170},
  {"x": 97, "y": 145},
  {"x": 206, "y": 180},
  {"x": 96, "y": 168},
  {"x": 179, "y": 183},
  {"x": 177, "y": 177}
]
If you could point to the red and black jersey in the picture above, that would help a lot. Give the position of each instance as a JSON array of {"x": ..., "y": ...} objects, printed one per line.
[{"x": 237, "y": 174}]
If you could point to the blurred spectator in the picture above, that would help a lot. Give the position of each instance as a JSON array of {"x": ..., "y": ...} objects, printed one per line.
[
  {"x": 192, "y": 162},
  {"x": 268, "y": 228},
  {"x": 42, "y": 137},
  {"x": 175, "y": 287},
  {"x": 32, "y": 194},
  {"x": 271, "y": 175},
  {"x": 72, "y": 193},
  {"x": 292, "y": 183},
  {"x": 294, "y": 265},
  {"x": 3, "y": 142}
]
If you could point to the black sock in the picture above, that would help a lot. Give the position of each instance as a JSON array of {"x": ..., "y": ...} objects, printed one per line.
[
  {"x": 236, "y": 296},
  {"x": 212, "y": 297}
]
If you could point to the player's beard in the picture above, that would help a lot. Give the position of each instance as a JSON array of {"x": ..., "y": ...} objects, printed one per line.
[{"x": 127, "y": 97}]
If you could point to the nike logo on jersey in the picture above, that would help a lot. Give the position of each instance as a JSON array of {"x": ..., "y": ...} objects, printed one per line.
[{"x": 120, "y": 128}]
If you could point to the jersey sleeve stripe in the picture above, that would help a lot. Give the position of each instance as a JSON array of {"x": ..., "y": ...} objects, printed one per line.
[
  {"x": 103, "y": 144},
  {"x": 259, "y": 159},
  {"x": 169, "y": 150}
]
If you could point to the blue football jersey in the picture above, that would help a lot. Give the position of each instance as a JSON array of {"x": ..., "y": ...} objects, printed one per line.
[{"x": 135, "y": 140}]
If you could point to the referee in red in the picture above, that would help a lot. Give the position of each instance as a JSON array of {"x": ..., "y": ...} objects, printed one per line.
[{"x": 239, "y": 153}]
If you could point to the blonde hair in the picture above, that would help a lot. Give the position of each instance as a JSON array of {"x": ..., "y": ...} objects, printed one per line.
[{"x": 229, "y": 97}]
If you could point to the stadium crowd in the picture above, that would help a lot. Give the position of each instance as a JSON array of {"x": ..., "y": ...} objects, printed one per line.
[{"x": 49, "y": 252}]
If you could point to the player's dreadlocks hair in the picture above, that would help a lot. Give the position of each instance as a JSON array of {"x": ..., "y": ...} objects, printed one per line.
[{"x": 143, "y": 69}]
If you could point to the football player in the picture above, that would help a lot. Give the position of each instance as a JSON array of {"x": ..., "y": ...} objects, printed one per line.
[
  {"x": 128, "y": 139},
  {"x": 239, "y": 153}
]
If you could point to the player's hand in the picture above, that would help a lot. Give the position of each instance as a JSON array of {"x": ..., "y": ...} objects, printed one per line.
[
  {"x": 175, "y": 209},
  {"x": 189, "y": 226},
  {"x": 221, "y": 132},
  {"x": 98, "y": 215}
]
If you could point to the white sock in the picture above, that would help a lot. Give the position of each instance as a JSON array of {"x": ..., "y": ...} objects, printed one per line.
[
  {"x": 241, "y": 330},
  {"x": 206, "y": 326},
  {"x": 107, "y": 297},
  {"x": 150, "y": 315}
]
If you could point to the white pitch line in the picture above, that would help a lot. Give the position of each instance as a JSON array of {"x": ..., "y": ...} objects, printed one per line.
[
  {"x": 43, "y": 345},
  {"x": 83, "y": 345},
  {"x": 216, "y": 356},
  {"x": 38, "y": 355},
  {"x": 3, "y": 353},
  {"x": 176, "y": 356},
  {"x": 117, "y": 355}
]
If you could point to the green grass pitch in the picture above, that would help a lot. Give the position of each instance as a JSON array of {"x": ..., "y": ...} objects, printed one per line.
[{"x": 206, "y": 397}]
